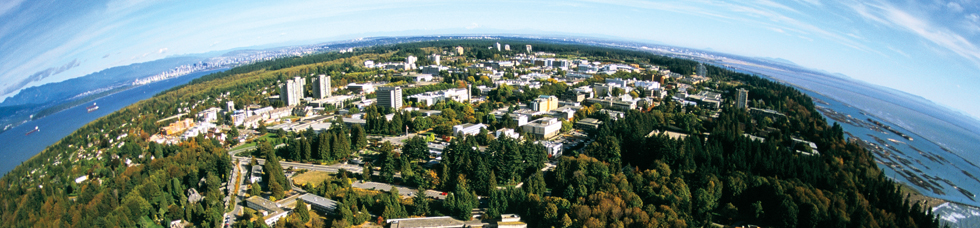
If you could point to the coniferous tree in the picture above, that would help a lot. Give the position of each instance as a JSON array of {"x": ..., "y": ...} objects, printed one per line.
[
  {"x": 302, "y": 211},
  {"x": 387, "y": 162},
  {"x": 323, "y": 150},
  {"x": 416, "y": 148},
  {"x": 358, "y": 137},
  {"x": 421, "y": 203},
  {"x": 367, "y": 172}
]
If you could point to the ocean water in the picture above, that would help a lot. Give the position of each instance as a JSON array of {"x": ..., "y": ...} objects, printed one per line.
[
  {"x": 941, "y": 159},
  {"x": 18, "y": 147}
]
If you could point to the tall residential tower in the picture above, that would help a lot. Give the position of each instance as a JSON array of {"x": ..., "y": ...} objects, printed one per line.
[
  {"x": 321, "y": 87},
  {"x": 742, "y": 101},
  {"x": 291, "y": 92}
]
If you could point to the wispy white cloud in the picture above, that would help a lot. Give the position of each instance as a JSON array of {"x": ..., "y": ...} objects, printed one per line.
[
  {"x": 899, "y": 51},
  {"x": 9, "y": 5},
  {"x": 811, "y": 2},
  {"x": 955, "y": 7},
  {"x": 888, "y": 15}
]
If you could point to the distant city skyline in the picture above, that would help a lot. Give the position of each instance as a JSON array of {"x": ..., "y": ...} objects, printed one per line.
[{"x": 930, "y": 49}]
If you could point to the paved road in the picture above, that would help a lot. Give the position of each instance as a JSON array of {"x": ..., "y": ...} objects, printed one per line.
[{"x": 230, "y": 217}]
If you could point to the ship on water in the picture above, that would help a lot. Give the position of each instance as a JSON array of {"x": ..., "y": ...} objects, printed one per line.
[
  {"x": 93, "y": 107},
  {"x": 32, "y": 131}
]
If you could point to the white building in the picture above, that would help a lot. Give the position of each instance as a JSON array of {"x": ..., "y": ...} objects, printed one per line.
[
  {"x": 291, "y": 92},
  {"x": 360, "y": 88},
  {"x": 506, "y": 132},
  {"x": 369, "y": 64},
  {"x": 321, "y": 87},
  {"x": 468, "y": 129},
  {"x": 422, "y": 77},
  {"x": 435, "y": 59},
  {"x": 410, "y": 61},
  {"x": 553, "y": 148},
  {"x": 543, "y": 128},
  {"x": 208, "y": 115}
]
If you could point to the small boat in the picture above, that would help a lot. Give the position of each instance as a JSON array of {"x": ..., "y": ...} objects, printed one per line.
[
  {"x": 32, "y": 131},
  {"x": 92, "y": 108}
]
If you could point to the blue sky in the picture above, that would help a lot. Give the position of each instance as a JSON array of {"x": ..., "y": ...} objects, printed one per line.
[{"x": 927, "y": 48}]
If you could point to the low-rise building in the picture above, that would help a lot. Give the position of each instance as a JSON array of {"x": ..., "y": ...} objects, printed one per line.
[
  {"x": 772, "y": 114},
  {"x": 543, "y": 128},
  {"x": 208, "y": 115},
  {"x": 179, "y": 126},
  {"x": 511, "y": 221},
  {"x": 261, "y": 204},
  {"x": 588, "y": 124},
  {"x": 553, "y": 148},
  {"x": 433, "y": 222},
  {"x": 319, "y": 203},
  {"x": 521, "y": 119},
  {"x": 468, "y": 129},
  {"x": 422, "y": 77},
  {"x": 616, "y": 104},
  {"x": 506, "y": 132},
  {"x": 351, "y": 121},
  {"x": 273, "y": 217},
  {"x": 544, "y": 103},
  {"x": 360, "y": 88}
]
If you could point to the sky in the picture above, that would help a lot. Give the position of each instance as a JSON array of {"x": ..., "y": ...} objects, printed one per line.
[{"x": 926, "y": 48}]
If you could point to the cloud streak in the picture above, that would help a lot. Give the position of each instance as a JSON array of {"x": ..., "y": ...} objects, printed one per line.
[
  {"x": 891, "y": 16},
  {"x": 38, "y": 76}
]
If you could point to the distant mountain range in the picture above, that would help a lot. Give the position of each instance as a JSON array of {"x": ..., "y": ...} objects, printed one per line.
[{"x": 19, "y": 108}]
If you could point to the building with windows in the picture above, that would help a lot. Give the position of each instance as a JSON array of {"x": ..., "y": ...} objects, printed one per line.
[
  {"x": 553, "y": 148},
  {"x": 390, "y": 97},
  {"x": 611, "y": 103},
  {"x": 545, "y": 103},
  {"x": 743, "y": 99},
  {"x": 291, "y": 92},
  {"x": 528, "y": 47},
  {"x": 321, "y": 87},
  {"x": 543, "y": 128}
]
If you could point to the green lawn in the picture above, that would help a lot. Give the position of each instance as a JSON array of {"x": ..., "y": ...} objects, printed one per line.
[{"x": 255, "y": 141}]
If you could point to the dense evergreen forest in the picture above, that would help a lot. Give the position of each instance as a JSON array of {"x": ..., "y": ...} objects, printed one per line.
[{"x": 625, "y": 178}]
